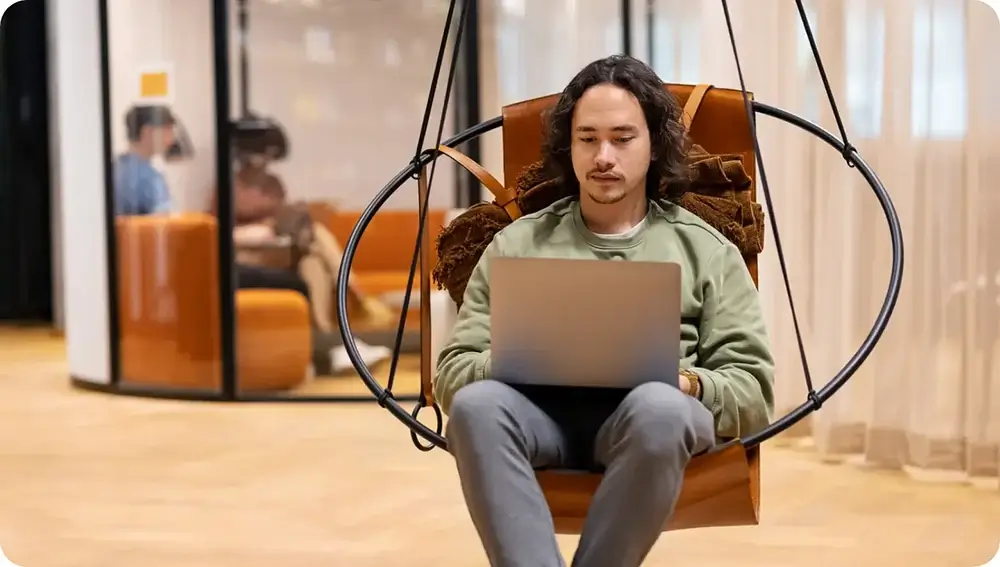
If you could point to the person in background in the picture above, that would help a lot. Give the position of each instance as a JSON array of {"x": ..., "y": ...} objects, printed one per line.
[
  {"x": 261, "y": 212},
  {"x": 139, "y": 188}
]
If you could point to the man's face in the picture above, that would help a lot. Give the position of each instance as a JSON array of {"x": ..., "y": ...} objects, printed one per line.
[
  {"x": 610, "y": 147},
  {"x": 158, "y": 138}
]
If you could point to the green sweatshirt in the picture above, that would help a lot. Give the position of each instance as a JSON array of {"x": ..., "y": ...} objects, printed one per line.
[{"x": 723, "y": 338}]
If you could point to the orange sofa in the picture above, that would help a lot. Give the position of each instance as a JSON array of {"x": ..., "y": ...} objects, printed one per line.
[
  {"x": 382, "y": 262},
  {"x": 169, "y": 312}
]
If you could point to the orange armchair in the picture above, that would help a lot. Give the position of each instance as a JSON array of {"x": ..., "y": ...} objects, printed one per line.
[
  {"x": 169, "y": 312},
  {"x": 381, "y": 264}
]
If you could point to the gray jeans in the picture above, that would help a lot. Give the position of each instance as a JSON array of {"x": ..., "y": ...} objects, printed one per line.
[{"x": 645, "y": 438}]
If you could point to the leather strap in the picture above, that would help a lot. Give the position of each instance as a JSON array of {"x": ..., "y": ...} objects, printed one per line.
[
  {"x": 505, "y": 198},
  {"x": 693, "y": 103},
  {"x": 426, "y": 386}
]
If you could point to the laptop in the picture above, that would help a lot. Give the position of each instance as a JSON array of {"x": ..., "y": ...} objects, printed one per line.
[{"x": 584, "y": 323}]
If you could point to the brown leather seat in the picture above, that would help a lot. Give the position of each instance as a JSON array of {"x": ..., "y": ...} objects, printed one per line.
[
  {"x": 168, "y": 305},
  {"x": 720, "y": 488}
]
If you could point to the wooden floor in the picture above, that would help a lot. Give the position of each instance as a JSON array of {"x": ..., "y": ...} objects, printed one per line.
[{"x": 88, "y": 479}]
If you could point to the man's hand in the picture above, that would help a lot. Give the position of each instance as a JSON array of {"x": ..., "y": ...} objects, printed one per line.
[
  {"x": 685, "y": 384},
  {"x": 689, "y": 383}
]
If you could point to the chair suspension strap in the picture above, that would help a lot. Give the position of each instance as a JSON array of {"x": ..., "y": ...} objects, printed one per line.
[
  {"x": 426, "y": 388},
  {"x": 505, "y": 198},
  {"x": 693, "y": 103},
  {"x": 422, "y": 247},
  {"x": 751, "y": 119},
  {"x": 418, "y": 170}
]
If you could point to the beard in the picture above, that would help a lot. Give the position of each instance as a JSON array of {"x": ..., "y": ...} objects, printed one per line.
[{"x": 606, "y": 195}]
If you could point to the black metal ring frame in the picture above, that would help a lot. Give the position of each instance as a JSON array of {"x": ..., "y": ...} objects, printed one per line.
[{"x": 434, "y": 436}]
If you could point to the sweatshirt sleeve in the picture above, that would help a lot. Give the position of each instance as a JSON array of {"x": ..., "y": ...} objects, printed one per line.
[
  {"x": 735, "y": 363},
  {"x": 466, "y": 357}
]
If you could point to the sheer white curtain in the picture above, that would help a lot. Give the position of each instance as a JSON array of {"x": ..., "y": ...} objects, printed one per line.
[{"x": 913, "y": 81}]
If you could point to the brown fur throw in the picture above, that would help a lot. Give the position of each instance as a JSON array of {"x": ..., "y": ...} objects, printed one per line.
[{"x": 718, "y": 191}]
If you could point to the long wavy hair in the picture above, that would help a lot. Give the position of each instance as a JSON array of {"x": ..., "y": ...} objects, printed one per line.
[{"x": 668, "y": 139}]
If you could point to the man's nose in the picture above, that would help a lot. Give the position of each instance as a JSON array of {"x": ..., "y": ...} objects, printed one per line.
[{"x": 605, "y": 157}]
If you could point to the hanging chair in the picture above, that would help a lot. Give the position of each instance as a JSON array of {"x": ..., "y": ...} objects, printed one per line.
[{"x": 721, "y": 486}]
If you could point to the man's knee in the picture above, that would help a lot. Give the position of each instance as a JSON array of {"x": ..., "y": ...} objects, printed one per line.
[
  {"x": 661, "y": 422},
  {"x": 480, "y": 407}
]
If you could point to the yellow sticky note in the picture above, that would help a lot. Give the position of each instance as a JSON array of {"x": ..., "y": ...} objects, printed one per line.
[{"x": 154, "y": 85}]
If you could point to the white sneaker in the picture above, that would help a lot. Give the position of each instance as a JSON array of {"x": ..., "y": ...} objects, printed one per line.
[
  {"x": 370, "y": 355},
  {"x": 373, "y": 355}
]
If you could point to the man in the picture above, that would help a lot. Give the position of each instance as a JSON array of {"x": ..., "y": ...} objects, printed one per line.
[
  {"x": 614, "y": 137},
  {"x": 139, "y": 188}
]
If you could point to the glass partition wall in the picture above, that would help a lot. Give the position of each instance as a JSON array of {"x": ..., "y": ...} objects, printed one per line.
[
  {"x": 248, "y": 136},
  {"x": 341, "y": 88},
  {"x": 166, "y": 275}
]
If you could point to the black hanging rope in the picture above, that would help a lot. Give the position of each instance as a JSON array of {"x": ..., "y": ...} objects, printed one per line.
[
  {"x": 849, "y": 151},
  {"x": 424, "y": 206},
  {"x": 751, "y": 119},
  {"x": 815, "y": 399},
  {"x": 401, "y": 329},
  {"x": 418, "y": 162},
  {"x": 434, "y": 79}
]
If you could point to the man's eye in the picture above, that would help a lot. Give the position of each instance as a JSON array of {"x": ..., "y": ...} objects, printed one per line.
[
  {"x": 626, "y": 139},
  {"x": 586, "y": 140}
]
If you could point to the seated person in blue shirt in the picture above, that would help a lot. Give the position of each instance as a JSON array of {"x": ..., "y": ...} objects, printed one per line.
[
  {"x": 139, "y": 188},
  {"x": 142, "y": 190}
]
